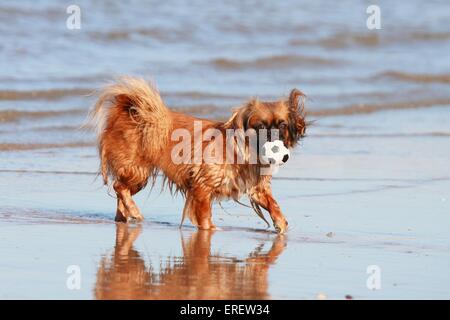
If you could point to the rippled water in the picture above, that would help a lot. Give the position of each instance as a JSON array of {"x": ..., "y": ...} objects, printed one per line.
[
  {"x": 380, "y": 98},
  {"x": 208, "y": 58}
]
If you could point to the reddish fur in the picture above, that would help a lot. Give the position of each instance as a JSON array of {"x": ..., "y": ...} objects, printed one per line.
[{"x": 124, "y": 274}]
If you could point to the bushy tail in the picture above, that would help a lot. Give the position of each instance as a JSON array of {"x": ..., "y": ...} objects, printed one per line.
[{"x": 145, "y": 108}]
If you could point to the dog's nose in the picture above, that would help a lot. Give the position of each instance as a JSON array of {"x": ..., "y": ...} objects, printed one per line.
[{"x": 285, "y": 158}]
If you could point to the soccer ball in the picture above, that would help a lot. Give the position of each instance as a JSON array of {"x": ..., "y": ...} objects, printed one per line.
[{"x": 274, "y": 153}]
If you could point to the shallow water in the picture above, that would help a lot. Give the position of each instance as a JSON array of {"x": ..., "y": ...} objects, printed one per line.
[{"x": 373, "y": 170}]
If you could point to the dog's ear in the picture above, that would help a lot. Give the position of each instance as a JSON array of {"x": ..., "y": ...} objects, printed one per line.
[
  {"x": 294, "y": 98},
  {"x": 239, "y": 118},
  {"x": 297, "y": 124}
]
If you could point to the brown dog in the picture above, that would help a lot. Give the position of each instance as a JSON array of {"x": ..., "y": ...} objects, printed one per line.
[{"x": 138, "y": 137}]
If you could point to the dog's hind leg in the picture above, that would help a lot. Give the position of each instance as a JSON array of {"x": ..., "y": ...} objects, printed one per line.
[{"x": 124, "y": 196}]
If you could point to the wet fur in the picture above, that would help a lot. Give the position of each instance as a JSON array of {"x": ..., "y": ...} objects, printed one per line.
[{"x": 134, "y": 130}]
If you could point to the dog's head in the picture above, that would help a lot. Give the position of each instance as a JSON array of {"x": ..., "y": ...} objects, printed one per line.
[{"x": 286, "y": 117}]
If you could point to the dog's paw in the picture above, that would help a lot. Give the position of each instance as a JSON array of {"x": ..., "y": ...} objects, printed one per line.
[
  {"x": 136, "y": 219},
  {"x": 281, "y": 226},
  {"x": 208, "y": 226},
  {"x": 120, "y": 218}
]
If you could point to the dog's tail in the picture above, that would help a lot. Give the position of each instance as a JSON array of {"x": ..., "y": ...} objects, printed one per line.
[{"x": 143, "y": 105}]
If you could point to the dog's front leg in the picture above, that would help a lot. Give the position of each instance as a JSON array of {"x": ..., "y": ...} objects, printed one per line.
[
  {"x": 263, "y": 197},
  {"x": 203, "y": 212}
]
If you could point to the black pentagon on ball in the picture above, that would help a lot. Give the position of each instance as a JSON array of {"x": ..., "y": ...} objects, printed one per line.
[
  {"x": 285, "y": 158},
  {"x": 275, "y": 149}
]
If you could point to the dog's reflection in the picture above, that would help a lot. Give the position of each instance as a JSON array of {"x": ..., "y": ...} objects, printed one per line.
[{"x": 198, "y": 274}]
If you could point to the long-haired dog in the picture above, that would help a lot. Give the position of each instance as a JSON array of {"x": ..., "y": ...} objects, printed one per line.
[{"x": 138, "y": 137}]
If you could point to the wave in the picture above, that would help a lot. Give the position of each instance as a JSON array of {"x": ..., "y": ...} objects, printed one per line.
[
  {"x": 56, "y": 128},
  {"x": 382, "y": 135},
  {"x": 202, "y": 95},
  {"x": 15, "y": 115},
  {"x": 154, "y": 33},
  {"x": 206, "y": 109},
  {"x": 34, "y": 146},
  {"x": 12, "y": 214},
  {"x": 50, "y": 94},
  {"x": 343, "y": 40},
  {"x": 372, "y": 108},
  {"x": 59, "y": 172},
  {"x": 96, "y": 78},
  {"x": 110, "y": 35},
  {"x": 425, "y": 35},
  {"x": 278, "y": 61},
  {"x": 53, "y": 94},
  {"x": 62, "y": 128},
  {"x": 10, "y": 12},
  {"x": 415, "y": 77}
]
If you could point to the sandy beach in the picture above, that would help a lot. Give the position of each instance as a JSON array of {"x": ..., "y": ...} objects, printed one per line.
[
  {"x": 369, "y": 185},
  {"x": 344, "y": 215}
]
